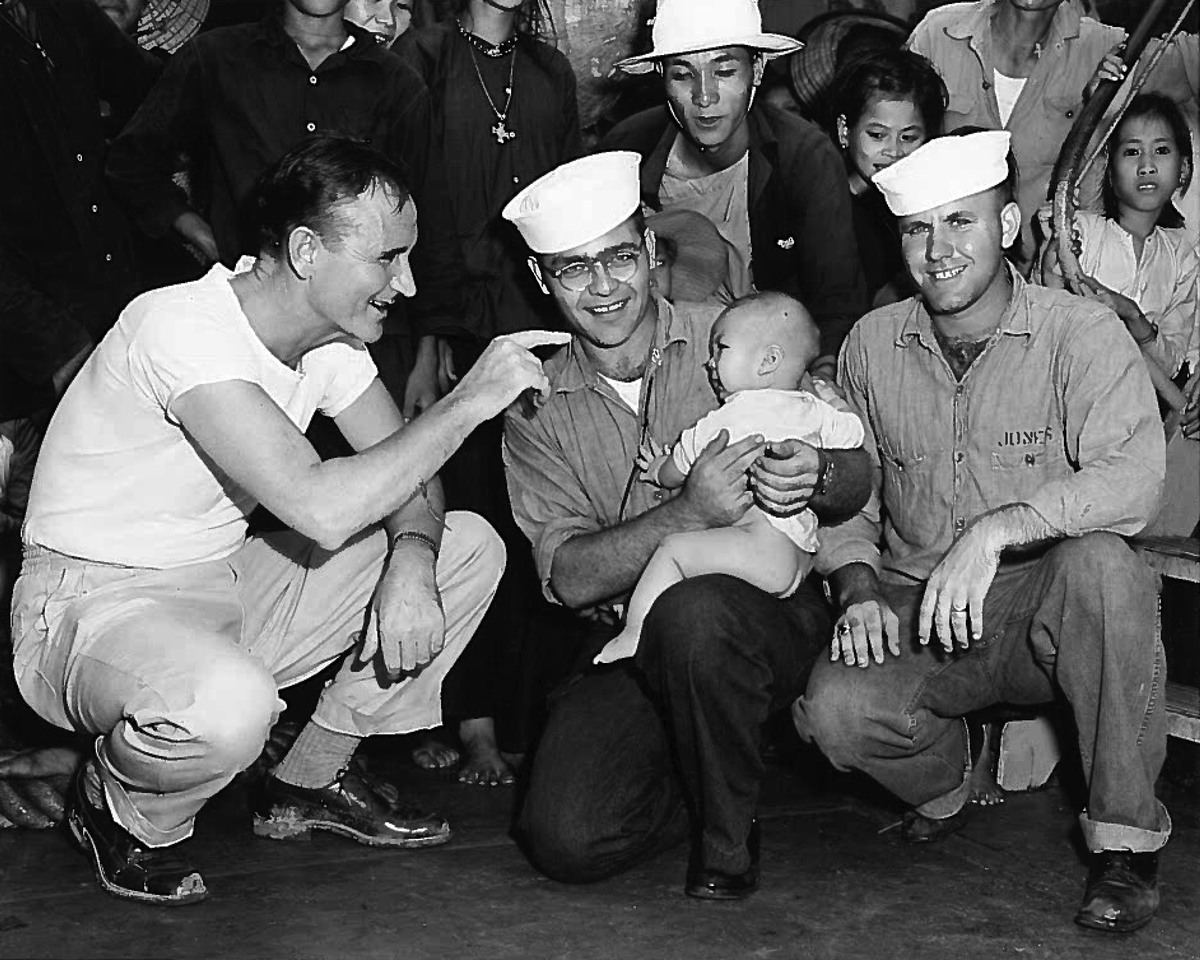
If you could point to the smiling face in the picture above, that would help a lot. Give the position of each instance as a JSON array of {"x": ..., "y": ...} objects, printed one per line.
[
  {"x": 355, "y": 277},
  {"x": 317, "y": 8},
  {"x": 885, "y": 131},
  {"x": 710, "y": 93},
  {"x": 607, "y": 312},
  {"x": 377, "y": 17},
  {"x": 1035, "y": 5},
  {"x": 1146, "y": 166},
  {"x": 955, "y": 252}
]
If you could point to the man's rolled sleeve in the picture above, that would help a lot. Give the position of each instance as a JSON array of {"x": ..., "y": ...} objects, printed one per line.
[
  {"x": 548, "y": 503},
  {"x": 1112, "y": 433}
]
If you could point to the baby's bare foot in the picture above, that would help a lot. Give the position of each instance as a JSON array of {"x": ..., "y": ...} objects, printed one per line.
[{"x": 483, "y": 765}]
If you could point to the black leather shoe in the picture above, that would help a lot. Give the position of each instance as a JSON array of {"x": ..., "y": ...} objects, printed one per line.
[
  {"x": 124, "y": 867},
  {"x": 719, "y": 885},
  {"x": 349, "y": 806},
  {"x": 921, "y": 829},
  {"x": 1122, "y": 892}
]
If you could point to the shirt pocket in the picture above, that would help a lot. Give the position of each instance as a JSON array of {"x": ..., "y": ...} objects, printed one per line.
[
  {"x": 1019, "y": 471},
  {"x": 965, "y": 105},
  {"x": 1061, "y": 109}
]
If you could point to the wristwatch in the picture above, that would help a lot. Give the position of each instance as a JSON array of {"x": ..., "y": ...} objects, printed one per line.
[{"x": 824, "y": 472}]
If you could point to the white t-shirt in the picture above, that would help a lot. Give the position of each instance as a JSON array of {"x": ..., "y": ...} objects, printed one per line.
[
  {"x": 1008, "y": 90},
  {"x": 775, "y": 415},
  {"x": 117, "y": 479},
  {"x": 724, "y": 198},
  {"x": 630, "y": 391}
]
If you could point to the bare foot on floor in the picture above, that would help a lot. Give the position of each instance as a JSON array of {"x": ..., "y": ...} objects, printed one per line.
[
  {"x": 432, "y": 754},
  {"x": 483, "y": 765},
  {"x": 985, "y": 791}
]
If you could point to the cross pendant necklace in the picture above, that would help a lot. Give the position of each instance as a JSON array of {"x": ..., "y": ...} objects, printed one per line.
[{"x": 500, "y": 130}]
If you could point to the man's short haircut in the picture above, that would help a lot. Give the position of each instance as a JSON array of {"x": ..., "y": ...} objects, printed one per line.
[
  {"x": 310, "y": 184},
  {"x": 890, "y": 75}
]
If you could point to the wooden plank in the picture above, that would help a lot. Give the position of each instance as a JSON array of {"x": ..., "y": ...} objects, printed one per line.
[
  {"x": 1183, "y": 712},
  {"x": 1174, "y": 557}
]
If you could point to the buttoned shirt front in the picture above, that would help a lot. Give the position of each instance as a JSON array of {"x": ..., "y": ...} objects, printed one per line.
[
  {"x": 957, "y": 39},
  {"x": 1057, "y": 412},
  {"x": 236, "y": 99},
  {"x": 66, "y": 256},
  {"x": 570, "y": 467}
]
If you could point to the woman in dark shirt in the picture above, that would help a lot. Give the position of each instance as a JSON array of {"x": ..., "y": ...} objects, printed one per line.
[
  {"x": 504, "y": 110},
  {"x": 886, "y": 104}
]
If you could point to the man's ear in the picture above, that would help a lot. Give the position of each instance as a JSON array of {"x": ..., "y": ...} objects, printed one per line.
[
  {"x": 1010, "y": 224},
  {"x": 651, "y": 246},
  {"x": 760, "y": 64},
  {"x": 536, "y": 269},
  {"x": 303, "y": 245},
  {"x": 771, "y": 359},
  {"x": 843, "y": 131}
]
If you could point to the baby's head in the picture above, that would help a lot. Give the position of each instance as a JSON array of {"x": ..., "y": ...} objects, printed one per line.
[{"x": 763, "y": 341}]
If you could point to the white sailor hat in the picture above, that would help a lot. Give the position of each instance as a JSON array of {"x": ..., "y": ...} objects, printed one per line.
[
  {"x": 944, "y": 170},
  {"x": 577, "y": 202}
]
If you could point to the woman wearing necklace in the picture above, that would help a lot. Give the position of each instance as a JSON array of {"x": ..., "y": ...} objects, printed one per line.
[
  {"x": 504, "y": 108},
  {"x": 1021, "y": 65}
]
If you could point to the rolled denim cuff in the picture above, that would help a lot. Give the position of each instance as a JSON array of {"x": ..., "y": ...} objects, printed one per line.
[
  {"x": 948, "y": 804},
  {"x": 1100, "y": 836}
]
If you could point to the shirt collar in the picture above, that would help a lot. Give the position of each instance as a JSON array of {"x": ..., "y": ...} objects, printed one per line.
[
  {"x": 578, "y": 371},
  {"x": 269, "y": 31},
  {"x": 978, "y": 23},
  {"x": 918, "y": 326}
]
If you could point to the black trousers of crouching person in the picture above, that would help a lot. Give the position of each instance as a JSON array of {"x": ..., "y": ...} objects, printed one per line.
[{"x": 629, "y": 747}]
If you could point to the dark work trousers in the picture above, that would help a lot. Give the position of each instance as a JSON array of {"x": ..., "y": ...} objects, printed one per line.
[
  {"x": 628, "y": 747},
  {"x": 1076, "y": 624}
]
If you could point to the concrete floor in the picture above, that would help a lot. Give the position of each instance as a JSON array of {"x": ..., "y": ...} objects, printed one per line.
[{"x": 837, "y": 883}]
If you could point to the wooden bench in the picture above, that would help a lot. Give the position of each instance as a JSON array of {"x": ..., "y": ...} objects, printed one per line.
[{"x": 1176, "y": 558}]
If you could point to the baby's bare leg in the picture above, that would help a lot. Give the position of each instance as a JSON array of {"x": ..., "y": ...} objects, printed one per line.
[{"x": 755, "y": 552}]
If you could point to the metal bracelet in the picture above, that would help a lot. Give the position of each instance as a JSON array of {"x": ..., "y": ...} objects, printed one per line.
[{"x": 420, "y": 537}]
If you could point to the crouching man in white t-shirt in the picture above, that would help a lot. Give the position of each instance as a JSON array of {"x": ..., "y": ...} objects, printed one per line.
[{"x": 144, "y": 615}]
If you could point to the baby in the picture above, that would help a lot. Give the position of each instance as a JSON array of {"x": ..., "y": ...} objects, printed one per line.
[{"x": 759, "y": 350}]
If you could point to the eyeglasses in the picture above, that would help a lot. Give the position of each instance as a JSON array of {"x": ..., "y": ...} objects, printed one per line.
[{"x": 620, "y": 264}]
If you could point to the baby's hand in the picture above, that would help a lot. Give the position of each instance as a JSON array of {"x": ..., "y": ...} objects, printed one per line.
[{"x": 648, "y": 453}]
